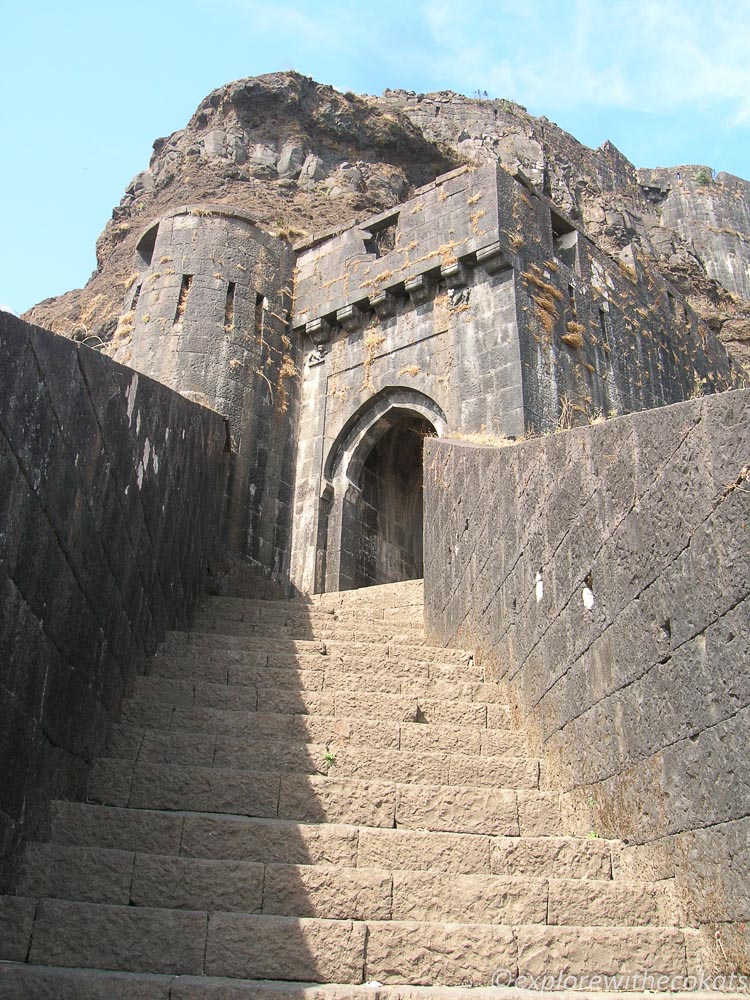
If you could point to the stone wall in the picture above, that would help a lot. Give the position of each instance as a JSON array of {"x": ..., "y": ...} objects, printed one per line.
[
  {"x": 480, "y": 308},
  {"x": 207, "y": 315},
  {"x": 603, "y": 572},
  {"x": 110, "y": 497}
]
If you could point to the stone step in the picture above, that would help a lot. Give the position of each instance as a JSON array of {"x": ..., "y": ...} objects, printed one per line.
[
  {"x": 194, "y": 942},
  {"x": 346, "y": 703},
  {"x": 237, "y": 666},
  {"x": 211, "y": 641},
  {"x": 288, "y": 842},
  {"x": 310, "y": 728},
  {"x": 44, "y": 982},
  {"x": 205, "y": 750},
  {"x": 364, "y": 634},
  {"x": 188, "y": 687},
  {"x": 21, "y": 982},
  {"x": 393, "y": 595},
  {"x": 125, "y": 878},
  {"x": 308, "y": 623},
  {"x": 323, "y": 799},
  {"x": 281, "y": 612}
]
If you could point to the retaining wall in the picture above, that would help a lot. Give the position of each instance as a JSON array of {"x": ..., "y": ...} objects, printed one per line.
[
  {"x": 110, "y": 498},
  {"x": 604, "y": 573}
]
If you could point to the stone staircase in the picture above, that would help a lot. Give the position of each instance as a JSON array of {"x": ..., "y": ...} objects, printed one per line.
[{"x": 307, "y": 793}]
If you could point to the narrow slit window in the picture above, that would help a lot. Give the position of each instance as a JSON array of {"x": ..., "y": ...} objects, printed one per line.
[
  {"x": 182, "y": 300},
  {"x": 260, "y": 306},
  {"x": 604, "y": 327},
  {"x": 572, "y": 301},
  {"x": 136, "y": 296},
  {"x": 229, "y": 307}
]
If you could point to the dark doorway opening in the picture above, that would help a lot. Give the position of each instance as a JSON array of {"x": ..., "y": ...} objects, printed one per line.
[{"x": 388, "y": 516}]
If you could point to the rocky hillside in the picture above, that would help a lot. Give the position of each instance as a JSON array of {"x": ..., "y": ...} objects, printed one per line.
[{"x": 301, "y": 157}]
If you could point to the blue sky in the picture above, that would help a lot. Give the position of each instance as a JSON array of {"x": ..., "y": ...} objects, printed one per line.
[{"x": 87, "y": 87}]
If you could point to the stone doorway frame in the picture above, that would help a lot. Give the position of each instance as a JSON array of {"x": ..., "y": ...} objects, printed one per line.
[{"x": 335, "y": 560}]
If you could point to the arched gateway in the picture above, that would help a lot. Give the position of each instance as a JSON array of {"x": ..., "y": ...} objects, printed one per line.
[{"x": 370, "y": 525}]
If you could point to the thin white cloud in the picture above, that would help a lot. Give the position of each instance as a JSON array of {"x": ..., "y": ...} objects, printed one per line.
[
  {"x": 666, "y": 55},
  {"x": 8, "y": 309}
]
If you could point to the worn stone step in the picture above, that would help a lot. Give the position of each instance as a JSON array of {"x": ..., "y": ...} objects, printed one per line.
[
  {"x": 469, "y": 954},
  {"x": 192, "y": 690},
  {"x": 135, "y": 939},
  {"x": 290, "y": 842},
  {"x": 543, "y": 857},
  {"x": 347, "y": 631},
  {"x": 348, "y": 702},
  {"x": 392, "y": 595},
  {"x": 125, "y": 878},
  {"x": 22, "y": 982},
  {"x": 204, "y": 836},
  {"x": 206, "y": 750},
  {"x": 200, "y": 641},
  {"x": 337, "y": 893},
  {"x": 318, "y": 799},
  {"x": 242, "y": 609},
  {"x": 44, "y": 982},
  {"x": 145, "y": 939},
  {"x": 308, "y": 728},
  {"x": 237, "y": 666}
]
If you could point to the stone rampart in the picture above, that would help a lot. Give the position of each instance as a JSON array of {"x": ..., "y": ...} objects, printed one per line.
[
  {"x": 110, "y": 500},
  {"x": 603, "y": 572}
]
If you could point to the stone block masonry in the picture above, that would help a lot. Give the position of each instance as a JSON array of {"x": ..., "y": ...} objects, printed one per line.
[
  {"x": 207, "y": 315},
  {"x": 478, "y": 309},
  {"x": 110, "y": 504},
  {"x": 602, "y": 573}
]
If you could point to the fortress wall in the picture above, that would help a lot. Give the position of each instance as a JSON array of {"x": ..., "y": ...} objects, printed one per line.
[
  {"x": 450, "y": 340},
  {"x": 603, "y": 573},
  {"x": 208, "y": 316},
  {"x": 110, "y": 499}
]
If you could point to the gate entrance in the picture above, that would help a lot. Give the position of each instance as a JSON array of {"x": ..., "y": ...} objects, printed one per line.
[
  {"x": 371, "y": 517},
  {"x": 388, "y": 510}
]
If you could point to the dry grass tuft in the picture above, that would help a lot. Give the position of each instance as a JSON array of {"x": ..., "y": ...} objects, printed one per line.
[{"x": 574, "y": 336}]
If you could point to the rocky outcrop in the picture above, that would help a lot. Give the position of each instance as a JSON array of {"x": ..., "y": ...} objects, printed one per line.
[{"x": 301, "y": 157}]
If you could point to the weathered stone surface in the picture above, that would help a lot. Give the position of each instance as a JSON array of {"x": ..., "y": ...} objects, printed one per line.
[
  {"x": 313, "y": 799},
  {"x": 585, "y": 903},
  {"x": 19, "y": 982},
  {"x": 538, "y": 813},
  {"x": 638, "y": 700},
  {"x": 270, "y": 842},
  {"x": 247, "y": 755},
  {"x": 127, "y": 938},
  {"x": 91, "y": 481},
  {"x": 449, "y": 954},
  {"x": 118, "y": 829},
  {"x": 204, "y": 789},
  {"x": 547, "y": 951},
  {"x": 550, "y": 857},
  {"x": 457, "y": 809},
  {"x": 389, "y": 765},
  {"x": 82, "y": 873},
  {"x": 332, "y": 893},
  {"x": 415, "y": 850},
  {"x": 452, "y": 739},
  {"x": 281, "y": 947},
  {"x": 481, "y": 899},
  {"x": 16, "y": 919},
  {"x": 193, "y": 884},
  {"x": 500, "y": 772},
  {"x": 291, "y": 160}
]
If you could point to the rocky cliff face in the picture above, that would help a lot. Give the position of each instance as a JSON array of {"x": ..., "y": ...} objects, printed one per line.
[{"x": 301, "y": 157}]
